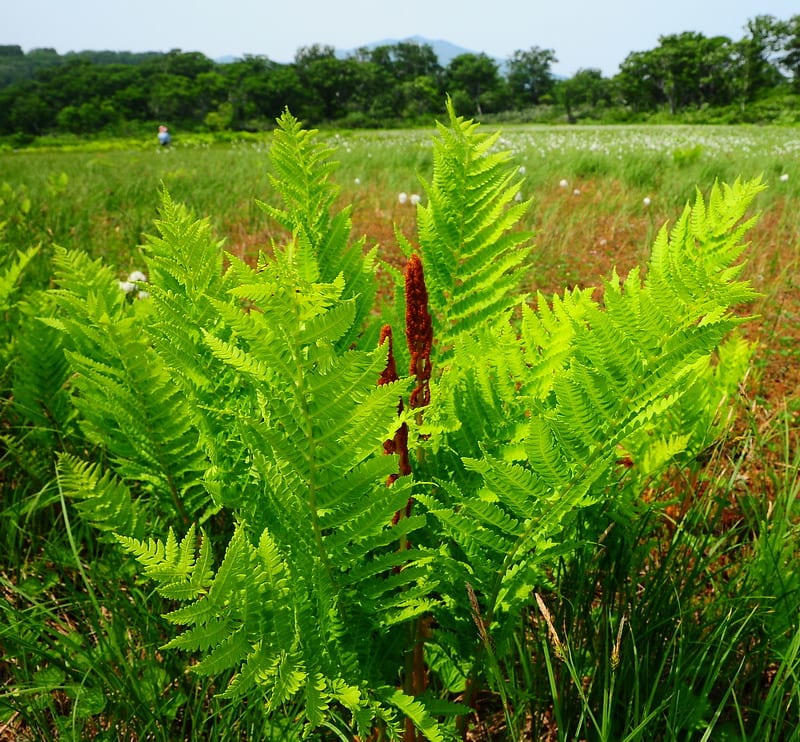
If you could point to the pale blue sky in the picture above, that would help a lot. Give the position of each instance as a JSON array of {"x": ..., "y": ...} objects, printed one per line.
[{"x": 583, "y": 33}]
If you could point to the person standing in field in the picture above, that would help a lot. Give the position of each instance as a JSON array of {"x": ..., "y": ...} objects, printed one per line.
[{"x": 163, "y": 136}]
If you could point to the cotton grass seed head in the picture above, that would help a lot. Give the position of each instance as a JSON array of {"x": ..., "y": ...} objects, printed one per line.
[
  {"x": 130, "y": 283},
  {"x": 784, "y": 177},
  {"x": 402, "y": 197}
]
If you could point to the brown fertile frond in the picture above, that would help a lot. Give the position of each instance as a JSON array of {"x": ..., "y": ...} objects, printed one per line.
[
  {"x": 399, "y": 444},
  {"x": 419, "y": 331},
  {"x": 389, "y": 374}
]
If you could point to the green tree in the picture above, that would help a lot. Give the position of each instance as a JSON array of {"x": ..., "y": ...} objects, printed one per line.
[
  {"x": 283, "y": 89},
  {"x": 173, "y": 98},
  {"x": 221, "y": 118},
  {"x": 529, "y": 75},
  {"x": 330, "y": 82},
  {"x": 185, "y": 64},
  {"x": 684, "y": 70},
  {"x": 132, "y": 100},
  {"x": 376, "y": 92},
  {"x": 91, "y": 116},
  {"x": 211, "y": 90},
  {"x": 420, "y": 96},
  {"x": 30, "y": 112},
  {"x": 412, "y": 60},
  {"x": 679, "y": 62},
  {"x": 636, "y": 82},
  {"x": 473, "y": 81},
  {"x": 245, "y": 82},
  {"x": 587, "y": 87},
  {"x": 400, "y": 80},
  {"x": 758, "y": 56},
  {"x": 790, "y": 58}
]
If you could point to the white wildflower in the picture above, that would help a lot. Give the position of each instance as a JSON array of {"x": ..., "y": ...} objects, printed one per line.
[
  {"x": 563, "y": 183},
  {"x": 137, "y": 276},
  {"x": 402, "y": 197},
  {"x": 143, "y": 295},
  {"x": 357, "y": 181},
  {"x": 518, "y": 196},
  {"x": 522, "y": 170},
  {"x": 576, "y": 192},
  {"x": 415, "y": 198},
  {"x": 784, "y": 177},
  {"x": 126, "y": 286},
  {"x": 646, "y": 201}
]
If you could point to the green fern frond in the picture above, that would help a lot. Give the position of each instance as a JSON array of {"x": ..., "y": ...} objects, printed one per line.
[
  {"x": 302, "y": 170},
  {"x": 148, "y": 553},
  {"x": 11, "y": 274},
  {"x": 40, "y": 374},
  {"x": 694, "y": 264},
  {"x": 288, "y": 676},
  {"x": 474, "y": 264},
  {"x": 167, "y": 561},
  {"x": 123, "y": 390},
  {"x": 203, "y": 637},
  {"x": 417, "y": 712},
  {"x": 228, "y": 654},
  {"x": 184, "y": 258},
  {"x": 186, "y": 275},
  {"x": 102, "y": 500}
]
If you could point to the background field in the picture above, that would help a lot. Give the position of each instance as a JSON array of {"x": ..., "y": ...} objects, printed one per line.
[{"x": 599, "y": 196}]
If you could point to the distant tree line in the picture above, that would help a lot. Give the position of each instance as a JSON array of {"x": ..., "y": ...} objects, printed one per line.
[{"x": 42, "y": 92}]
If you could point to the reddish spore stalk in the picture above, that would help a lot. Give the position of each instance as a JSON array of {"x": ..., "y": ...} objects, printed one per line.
[
  {"x": 419, "y": 336},
  {"x": 419, "y": 331},
  {"x": 389, "y": 374},
  {"x": 399, "y": 444}
]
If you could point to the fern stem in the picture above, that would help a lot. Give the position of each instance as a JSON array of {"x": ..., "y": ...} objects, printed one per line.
[
  {"x": 312, "y": 496},
  {"x": 311, "y": 449},
  {"x": 173, "y": 491}
]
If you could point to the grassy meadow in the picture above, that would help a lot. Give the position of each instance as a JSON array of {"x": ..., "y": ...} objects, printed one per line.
[
  {"x": 708, "y": 580},
  {"x": 600, "y": 194}
]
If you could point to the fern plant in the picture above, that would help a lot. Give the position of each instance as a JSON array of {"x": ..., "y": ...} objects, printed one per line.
[
  {"x": 33, "y": 406},
  {"x": 565, "y": 410},
  {"x": 243, "y": 432},
  {"x": 13, "y": 265}
]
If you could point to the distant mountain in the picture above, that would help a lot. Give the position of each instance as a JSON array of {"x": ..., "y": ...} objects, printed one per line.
[{"x": 444, "y": 50}]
